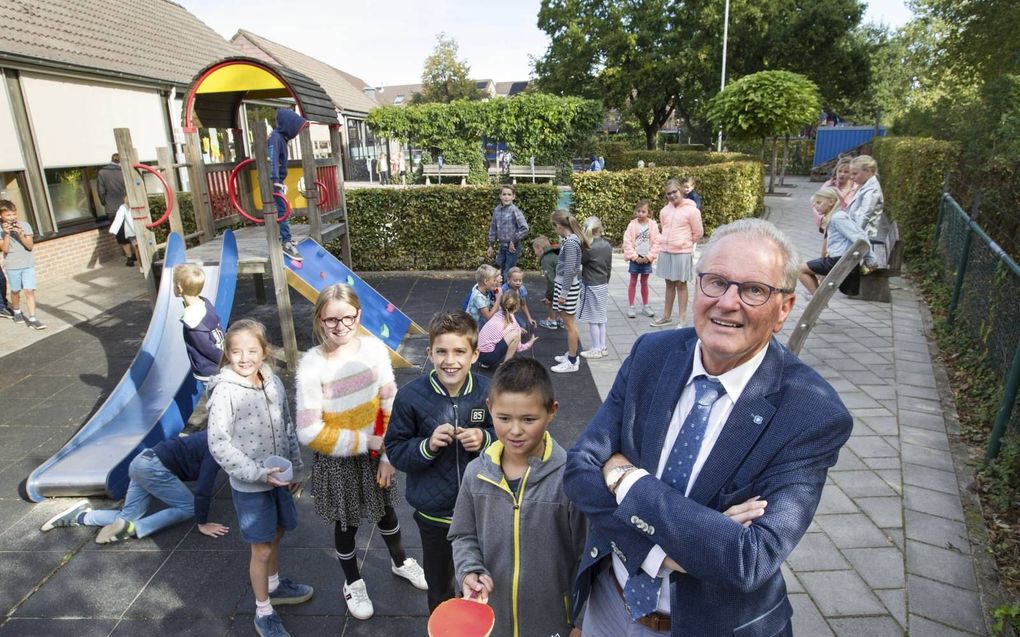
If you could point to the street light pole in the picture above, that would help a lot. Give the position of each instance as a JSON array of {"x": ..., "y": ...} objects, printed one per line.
[{"x": 725, "y": 37}]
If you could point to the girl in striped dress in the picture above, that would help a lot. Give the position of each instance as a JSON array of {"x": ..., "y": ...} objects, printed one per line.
[
  {"x": 596, "y": 263},
  {"x": 345, "y": 390},
  {"x": 568, "y": 285}
]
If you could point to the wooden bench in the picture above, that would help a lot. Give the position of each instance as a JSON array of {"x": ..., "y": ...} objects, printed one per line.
[
  {"x": 826, "y": 289},
  {"x": 888, "y": 250},
  {"x": 448, "y": 170},
  {"x": 525, "y": 171}
]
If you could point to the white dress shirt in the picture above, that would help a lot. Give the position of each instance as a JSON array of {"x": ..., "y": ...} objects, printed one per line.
[{"x": 733, "y": 382}]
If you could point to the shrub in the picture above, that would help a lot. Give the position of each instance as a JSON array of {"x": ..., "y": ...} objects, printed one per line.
[
  {"x": 677, "y": 158},
  {"x": 911, "y": 170},
  {"x": 676, "y": 147},
  {"x": 729, "y": 191},
  {"x": 157, "y": 206},
  {"x": 435, "y": 227}
]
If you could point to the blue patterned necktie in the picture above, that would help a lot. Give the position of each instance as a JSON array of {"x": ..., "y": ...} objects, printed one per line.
[{"x": 642, "y": 590}]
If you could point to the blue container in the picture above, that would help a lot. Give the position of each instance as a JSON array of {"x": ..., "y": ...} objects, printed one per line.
[{"x": 831, "y": 141}]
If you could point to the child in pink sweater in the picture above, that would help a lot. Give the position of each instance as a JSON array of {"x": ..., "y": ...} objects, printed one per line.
[
  {"x": 681, "y": 228},
  {"x": 640, "y": 248},
  {"x": 500, "y": 338}
]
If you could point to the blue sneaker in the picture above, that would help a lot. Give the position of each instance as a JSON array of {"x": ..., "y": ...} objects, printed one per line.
[
  {"x": 290, "y": 593},
  {"x": 270, "y": 626}
]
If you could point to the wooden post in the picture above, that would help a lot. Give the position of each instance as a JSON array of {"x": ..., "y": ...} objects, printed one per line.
[
  {"x": 311, "y": 192},
  {"x": 280, "y": 287},
  {"x": 166, "y": 166},
  {"x": 138, "y": 202},
  {"x": 199, "y": 191},
  {"x": 338, "y": 154}
]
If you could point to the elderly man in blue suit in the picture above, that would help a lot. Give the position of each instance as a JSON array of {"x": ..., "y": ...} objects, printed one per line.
[{"x": 699, "y": 421}]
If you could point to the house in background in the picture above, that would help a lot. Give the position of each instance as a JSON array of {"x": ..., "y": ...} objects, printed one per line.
[
  {"x": 72, "y": 71},
  {"x": 401, "y": 94},
  {"x": 350, "y": 95}
]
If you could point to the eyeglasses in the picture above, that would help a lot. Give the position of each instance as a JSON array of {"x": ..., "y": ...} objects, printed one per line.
[
  {"x": 333, "y": 323},
  {"x": 752, "y": 293},
  {"x": 671, "y": 193}
]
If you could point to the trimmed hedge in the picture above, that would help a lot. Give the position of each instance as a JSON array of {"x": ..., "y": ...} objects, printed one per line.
[
  {"x": 678, "y": 158},
  {"x": 436, "y": 227},
  {"x": 729, "y": 191},
  {"x": 910, "y": 170}
]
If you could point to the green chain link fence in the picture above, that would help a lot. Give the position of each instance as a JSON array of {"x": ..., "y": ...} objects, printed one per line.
[{"x": 985, "y": 302}]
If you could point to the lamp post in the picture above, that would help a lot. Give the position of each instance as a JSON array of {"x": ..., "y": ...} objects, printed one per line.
[{"x": 725, "y": 37}]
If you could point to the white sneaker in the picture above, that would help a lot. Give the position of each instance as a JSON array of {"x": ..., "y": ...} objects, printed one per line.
[
  {"x": 412, "y": 572},
  {"x": 565, "y": 356},
  {"x": 647, "y": 311},
  {"x": 593, "y": 353},
  {"x": 566, "y": 366},
  {"x": 630, "y": 312},
  {"x": 605, "y": 352},
  {"x": 358, "y": 602}
]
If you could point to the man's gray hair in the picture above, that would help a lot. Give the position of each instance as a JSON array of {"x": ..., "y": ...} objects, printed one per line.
[{"x": 759, "y": 228}]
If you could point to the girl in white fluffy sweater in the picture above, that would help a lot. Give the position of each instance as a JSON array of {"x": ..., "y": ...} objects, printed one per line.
[{"x": 345, "y": 390}]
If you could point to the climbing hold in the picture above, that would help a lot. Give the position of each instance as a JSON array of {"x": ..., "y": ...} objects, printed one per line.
[
  {"x": 350, "y": 280},
  {"x": 295, "y": 265},
  {"x": 322, "y": 275},
  {"x": 389, "y": 308},
  {"x": 384, "y": 333}
]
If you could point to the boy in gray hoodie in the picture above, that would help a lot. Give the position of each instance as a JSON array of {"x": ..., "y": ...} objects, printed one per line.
[{"x": 516, "y": 537}]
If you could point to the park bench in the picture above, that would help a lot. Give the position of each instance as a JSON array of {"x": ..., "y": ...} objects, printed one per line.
[
  {"x": 526, "y": 171},
  {"x": 888, "y": 250},
  {"x": 447, "y": 170},
  {"x": 832, "y": 281}
]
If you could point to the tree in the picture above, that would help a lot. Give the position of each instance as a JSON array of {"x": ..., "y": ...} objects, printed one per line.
[
  {"x": 765, "y": 105},
  {"x": 445, "y": 78},
  {"x": 656, "y": 57}
]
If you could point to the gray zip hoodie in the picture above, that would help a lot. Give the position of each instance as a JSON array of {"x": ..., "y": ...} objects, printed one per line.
[
  {"x": 529, "y": 543},
  {"x": 247, "y": 424}
]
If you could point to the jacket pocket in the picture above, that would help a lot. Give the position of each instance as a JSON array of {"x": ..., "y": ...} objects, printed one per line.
[
  {"x": 773, "y": 623},
  {"x": 729, "y": 498}
]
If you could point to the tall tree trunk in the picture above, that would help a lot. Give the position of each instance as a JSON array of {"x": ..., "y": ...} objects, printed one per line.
[
  {"x": 772, "y": 170},
  {"x": 786, "y": 155},
  {"x": 651, "y": 130}
]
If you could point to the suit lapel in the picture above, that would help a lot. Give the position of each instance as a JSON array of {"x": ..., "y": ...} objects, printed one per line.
[
  {"x": 673, "y": 372},
  {"x": 750, "y": 416}
]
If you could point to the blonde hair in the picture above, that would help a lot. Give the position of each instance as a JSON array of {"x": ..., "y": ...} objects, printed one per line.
[
  {"x": 865, "y": 162},
  {"x": 541, "y": 242},
  {"x": 190, "y": 278},
  {"x": 675, "y": 183},
  {"x": 485, "y": 271},
  {"x": 828, "y": 193},
  {"x": 593, "y": 227},
  {"x": 512, "y": 271},
  {"x": 509, "y": 302},
  {"x": 564, "y": 219},
  {"x": 253, "y": 327},
  {"x": 336, "y": 292}
]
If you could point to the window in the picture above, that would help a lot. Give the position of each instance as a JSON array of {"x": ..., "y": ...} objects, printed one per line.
[
  {"x": 11, "y": 188},
  {"x": 398, "y": 100},
  {"x": 73, "y": 195}
]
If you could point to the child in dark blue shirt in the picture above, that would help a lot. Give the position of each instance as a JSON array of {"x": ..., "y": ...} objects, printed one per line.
[{"x": 203, "y": 335}]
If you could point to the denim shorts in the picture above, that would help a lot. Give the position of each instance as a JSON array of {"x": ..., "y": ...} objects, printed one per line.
[
  {"x": 259, "y": 513},
  {"x": 21, "y": 279}
]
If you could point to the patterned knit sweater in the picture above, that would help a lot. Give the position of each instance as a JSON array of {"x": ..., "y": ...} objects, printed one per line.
[{"x": 340, "y": 401}]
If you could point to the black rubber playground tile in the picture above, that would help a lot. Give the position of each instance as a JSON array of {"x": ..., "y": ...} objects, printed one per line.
[
  {"x": 297, "y": 625},
  {"x": 46, "y": 627},
  {"x": 22, "y": 571},
  {"x": 196, "y": 584},
  {"x": 174, "y": 623}
]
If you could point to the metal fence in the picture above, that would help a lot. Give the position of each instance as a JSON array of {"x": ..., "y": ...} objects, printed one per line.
[{"x": 985, "y": 303}]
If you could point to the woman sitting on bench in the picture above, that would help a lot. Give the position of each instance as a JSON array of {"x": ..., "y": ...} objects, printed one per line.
[{"x": 840, "y": 235}]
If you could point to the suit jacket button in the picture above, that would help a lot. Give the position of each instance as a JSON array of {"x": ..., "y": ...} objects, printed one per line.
[
  {"x": 594, "y": 551},
  {"x": 634, "y": 519},
  {"x": 651, "y": 530}
]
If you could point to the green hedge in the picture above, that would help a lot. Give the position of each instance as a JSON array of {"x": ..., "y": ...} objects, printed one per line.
[
  {"x": 435, "y": 227},
  {"x": 910, "y": 170},
  {"x": 729, "y": 191},
  {"x": 677, "y": 158},
  {"x": 157, "y": 206},
  {"x": 675, "y": 147}
]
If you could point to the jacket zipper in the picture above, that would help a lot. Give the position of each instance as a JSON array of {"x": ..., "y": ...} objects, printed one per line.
[{"x": 518, "y": 501}]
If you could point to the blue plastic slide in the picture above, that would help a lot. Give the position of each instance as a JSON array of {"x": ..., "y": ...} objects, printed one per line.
[
  {"x": 151, "y": 403},
  {"x": 320, "y": 269}
]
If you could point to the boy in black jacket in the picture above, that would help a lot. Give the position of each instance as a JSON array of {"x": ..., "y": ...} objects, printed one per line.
[
  {"x": 158, "y": 473},
  {"x": 438, "y": 425}
]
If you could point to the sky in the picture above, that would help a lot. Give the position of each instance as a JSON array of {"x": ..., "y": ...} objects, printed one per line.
[{"x": 385, "y": 42}]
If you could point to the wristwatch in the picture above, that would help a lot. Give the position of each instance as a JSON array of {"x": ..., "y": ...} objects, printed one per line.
[{"x": 616, "y": 476}]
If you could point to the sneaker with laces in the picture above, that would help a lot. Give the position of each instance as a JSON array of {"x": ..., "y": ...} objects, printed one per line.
[
  {"x": 561, "y": 324},
  {"x": 412, "y": 572},
  {"x": 5, "y": 312},
  {"x": 34, "y": 323},
  {"x": 548, "y": 324},
  {"x": 593, "y": 353},
  {"x": 67, "y": 517},
  {"x": 559, "y": 358},
  {"x": 291, "y": 251},
  {"x": 18, "y": 317},
  {"x": 664, "y": 321},
  {"x": 358, "y": 602},
  {"x": 270, "y": 626},
  {"x": 631, "y": 313},
  {"x": 566, "y": 367},
  {"x": 647, "y": 311},
  {"x": 605, "y": 352},
  {"x": 288, "y": 592},
  {"x": 116, "y": 531}
]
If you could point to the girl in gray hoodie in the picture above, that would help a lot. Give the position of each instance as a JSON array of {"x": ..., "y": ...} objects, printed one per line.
[{"x": 249, "y": 422}]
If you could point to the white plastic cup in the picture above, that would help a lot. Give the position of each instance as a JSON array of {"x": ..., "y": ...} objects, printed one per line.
[{"x": 286, "y": 472}]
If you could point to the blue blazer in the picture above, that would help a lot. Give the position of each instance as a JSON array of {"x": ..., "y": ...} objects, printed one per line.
[{"x": 781, "y": 437}]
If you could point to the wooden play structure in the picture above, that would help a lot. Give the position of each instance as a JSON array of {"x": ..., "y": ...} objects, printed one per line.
[{"x": 224, "y": 193}]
